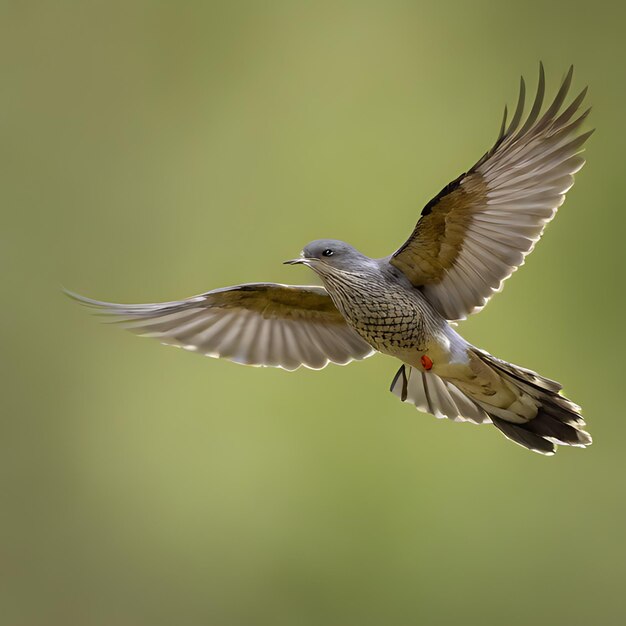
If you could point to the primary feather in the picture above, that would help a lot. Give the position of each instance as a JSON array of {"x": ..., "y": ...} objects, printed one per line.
[{"x": 477, "y": 231}]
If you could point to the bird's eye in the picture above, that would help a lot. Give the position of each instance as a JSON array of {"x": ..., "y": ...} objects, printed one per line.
[{"x": 327, "y": 252}]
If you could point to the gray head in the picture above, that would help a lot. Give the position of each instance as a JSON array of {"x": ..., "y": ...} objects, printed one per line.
[{"x": 323, "y": 255}]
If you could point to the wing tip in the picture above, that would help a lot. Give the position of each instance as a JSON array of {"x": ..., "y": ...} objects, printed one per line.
[{"x": 84, "y": 300}]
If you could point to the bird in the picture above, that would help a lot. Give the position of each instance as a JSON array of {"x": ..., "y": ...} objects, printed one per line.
[{"x": 467, "y": 241}]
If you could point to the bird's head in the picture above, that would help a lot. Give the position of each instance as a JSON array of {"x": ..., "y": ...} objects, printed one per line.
[{"x": 325, "y": 255}]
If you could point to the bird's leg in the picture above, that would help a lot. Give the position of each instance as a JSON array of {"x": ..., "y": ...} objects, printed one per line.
[{"x": 405, "y": 383}]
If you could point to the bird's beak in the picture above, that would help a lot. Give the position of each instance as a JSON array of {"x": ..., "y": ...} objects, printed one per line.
[{"x": 298, "y": 261}]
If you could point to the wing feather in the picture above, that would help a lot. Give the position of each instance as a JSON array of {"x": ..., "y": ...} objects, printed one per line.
[
  {"x": 477, "y": 231},
  {"x": 254, "y": 324}
]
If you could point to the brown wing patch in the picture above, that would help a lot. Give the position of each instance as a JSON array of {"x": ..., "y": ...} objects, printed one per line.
[
  {"x": 438, "y": 236},
  {"x": 280, "y": 301}
]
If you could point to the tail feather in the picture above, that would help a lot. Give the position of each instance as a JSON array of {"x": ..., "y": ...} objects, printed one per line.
[
  {"x": 543, "y": 433},
  {"x": 557, "y": 420},
  {"x": 524, "y": 437},
  {"x": 434, "y": 395},
  {"x": 561, "y": 432},
  {"x": 520, "y": 374}
]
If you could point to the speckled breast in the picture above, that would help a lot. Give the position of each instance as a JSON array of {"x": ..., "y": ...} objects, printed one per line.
[{"x": 386, "y": 316}]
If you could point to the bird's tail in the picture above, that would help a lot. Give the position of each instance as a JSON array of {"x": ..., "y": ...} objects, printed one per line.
[{"x": 535, "y": 415}]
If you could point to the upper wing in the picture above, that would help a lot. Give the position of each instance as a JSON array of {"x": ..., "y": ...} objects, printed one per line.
[
  {"x": 254, "y": 324},
  {"x": 476, "y": 232}
]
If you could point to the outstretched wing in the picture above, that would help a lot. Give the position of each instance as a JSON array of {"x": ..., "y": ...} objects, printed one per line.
[
  {"x": 476, "y": 232},
  {"x": 255, "y": 324}
]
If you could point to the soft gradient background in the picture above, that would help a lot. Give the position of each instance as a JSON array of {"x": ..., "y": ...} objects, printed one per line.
[{"x": 154, "y": 150}]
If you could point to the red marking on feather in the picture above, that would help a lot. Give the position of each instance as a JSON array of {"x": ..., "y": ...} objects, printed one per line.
[{"x": 427, "y": 362}]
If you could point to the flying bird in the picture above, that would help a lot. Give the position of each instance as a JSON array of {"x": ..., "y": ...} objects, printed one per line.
[{"x": 469, "y": 238}]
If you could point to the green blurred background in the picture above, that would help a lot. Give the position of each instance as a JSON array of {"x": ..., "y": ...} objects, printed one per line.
[{"x": 154, "y": 150}]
